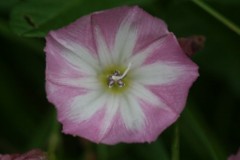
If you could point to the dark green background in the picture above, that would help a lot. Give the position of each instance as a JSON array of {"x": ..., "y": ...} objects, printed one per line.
[{"x": 209, "y": 127}]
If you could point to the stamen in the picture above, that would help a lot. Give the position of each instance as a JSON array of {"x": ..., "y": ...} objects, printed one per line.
[{"x": 116, "y": 78}]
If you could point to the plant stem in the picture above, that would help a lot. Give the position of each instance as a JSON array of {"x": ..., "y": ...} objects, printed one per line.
[
  {"x": 218, "y": 16},
  {"x": 54, "y": 140},
  {"x": 175, "y": 144}
]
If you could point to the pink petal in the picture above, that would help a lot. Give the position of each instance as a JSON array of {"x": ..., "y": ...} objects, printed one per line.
[
  {"x": 34, "y": 154},
  {"x": 157, "y": 121},
  {"x": 170, "y": 51},
  {"x": 89, "y": 129},
  {"x": 236, "y": 156},
  {"x": 148, "y": 28}
]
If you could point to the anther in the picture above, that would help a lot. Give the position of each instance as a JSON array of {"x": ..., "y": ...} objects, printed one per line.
[
  {"x": 116, "y": 78},
  {"x": 123, "y": 75}
]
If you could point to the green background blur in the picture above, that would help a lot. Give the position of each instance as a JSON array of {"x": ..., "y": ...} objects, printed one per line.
[{"x": 209, "y": 127}]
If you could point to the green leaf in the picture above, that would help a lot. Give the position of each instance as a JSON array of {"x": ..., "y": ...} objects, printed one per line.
[
  {"x": 35, "y": 18},
  {"x": 5, "y": 5}
]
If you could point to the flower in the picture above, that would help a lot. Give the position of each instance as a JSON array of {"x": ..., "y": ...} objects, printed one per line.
[
  {"x": 235, "y": 157},
  {"x": 117, "y": 76},
  {"x": 34, "y": 154}
]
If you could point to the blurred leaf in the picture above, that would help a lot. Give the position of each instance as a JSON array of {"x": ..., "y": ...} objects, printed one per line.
[
  {"x": 200, "y": 139},
  {"x": 220, "y": 55},
  {"x": 153, "y": 151},
  {"x": 42, "y": 132},
  {"x": 35, "y": 18},
  {"x": 5, "y": 5},
  {"x": 225, "y": 1},
  {"x": 102, "y": 151},
  {"x": 11, "y": 113},
  {"x": 218, "y": 16},
  {"x": 21, "y": 86}
]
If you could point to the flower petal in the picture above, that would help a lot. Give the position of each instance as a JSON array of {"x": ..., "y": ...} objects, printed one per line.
[
  {"x": 125, "y": 39},
  {"x": 112, "y": 107},
  {"x": 81, "y": 60},
  {"x": 128, "y": 29},
  {"x": 140, "y": 57},
  {"x": 85, "y": 106},
  {"x": 75, "y": 54},
  {"x": 132, "y": 114},
  {"x": 89, "y": 82},
  {"x": 158, "y": 73},
  {"x": 104, "y": 54},
  {"x": 235, "y": 157}
]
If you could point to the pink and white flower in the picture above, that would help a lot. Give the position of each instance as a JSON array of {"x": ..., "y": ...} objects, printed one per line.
[
  {"x": 117, "y": 76},
  {"x": 235, "y": 157},
  {"x": 34, "y": 154}
]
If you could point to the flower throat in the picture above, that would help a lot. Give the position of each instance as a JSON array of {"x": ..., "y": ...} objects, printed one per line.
[{"x": 116, "y": 78}]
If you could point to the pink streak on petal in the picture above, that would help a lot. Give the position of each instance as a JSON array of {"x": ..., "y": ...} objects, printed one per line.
[
  {"x": 175, "y": 94},
  {"x": 149, "y": 28},
  {"x": 109, "y": 21},
  {"x": 169, "y": 51},
  {"x": 235, "y": 157},
  {"x": 56, "y": 64},
  {"x": 78, "y": 32},
  {"x": 56, "y": 68},
  {"x": 89, "y": 129},
  {"x": 62, "y": 97},
  {"x": 156, "y": 121}
]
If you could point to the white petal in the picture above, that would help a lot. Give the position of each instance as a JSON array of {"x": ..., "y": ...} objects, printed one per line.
[
  {"x": 140, "y": 92},
  {"x": 104, "y": 54},
  {"x": 88, "y": 82},
  {"x": 158, "y": 73},
  {"x": 85, "y": 106},
  {"x": 77, "y": 55},
  {"x": 112, "y": 106},
  {"x": 131, "y": 112},
  {"x": 144, "y": 94},
  {"x": 125, "y": 40},
  {"x": 138, "y": 58}
]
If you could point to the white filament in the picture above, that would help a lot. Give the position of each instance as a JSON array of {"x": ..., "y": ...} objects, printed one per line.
[{"x": 116, "y": 78}]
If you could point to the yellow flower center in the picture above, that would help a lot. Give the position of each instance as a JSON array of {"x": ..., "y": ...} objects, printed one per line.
[{"x": 115, "y": 79}]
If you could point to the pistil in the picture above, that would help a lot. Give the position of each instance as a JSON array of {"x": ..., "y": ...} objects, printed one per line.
[{"x": 117, "y": 77}]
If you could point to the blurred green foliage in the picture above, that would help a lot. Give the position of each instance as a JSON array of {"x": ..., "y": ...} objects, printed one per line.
[{"x": 209, "y": 127}]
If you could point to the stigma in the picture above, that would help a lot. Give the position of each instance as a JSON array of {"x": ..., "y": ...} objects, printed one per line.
[{"x": 116, "y": 78}]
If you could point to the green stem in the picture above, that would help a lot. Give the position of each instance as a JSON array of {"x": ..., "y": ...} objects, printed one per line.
[
  {"x": 218, "y": 16},
  {"x": 54, "y": 140},
  {"x": 175, "y": 144},
  {"x": 35, "y": 44}
]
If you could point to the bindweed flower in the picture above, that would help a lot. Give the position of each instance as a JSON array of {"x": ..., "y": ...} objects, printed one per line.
[
  {"x": 34, "y": 154},
  {"x": 235, "y": 157},
  {"x": 117, "y": 76}
]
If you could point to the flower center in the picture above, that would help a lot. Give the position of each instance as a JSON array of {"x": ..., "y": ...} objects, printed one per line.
[{"x": 117, "y": 78}]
